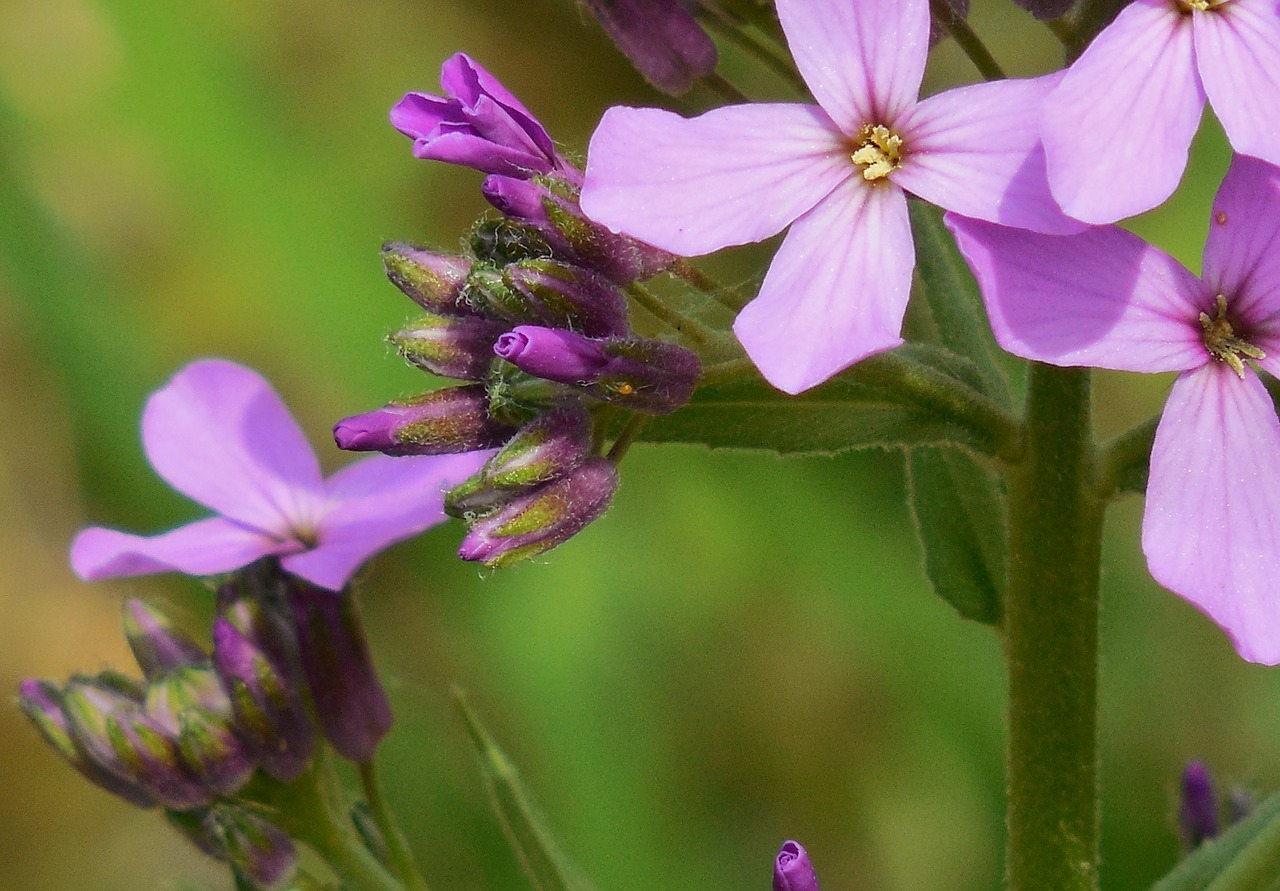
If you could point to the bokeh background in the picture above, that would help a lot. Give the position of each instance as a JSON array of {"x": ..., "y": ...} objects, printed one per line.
[{"x": 744, "y": 650}]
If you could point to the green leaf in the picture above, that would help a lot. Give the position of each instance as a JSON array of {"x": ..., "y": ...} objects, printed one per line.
[
  {"x": 1244, "y": 858},
  {"x": 959, "y": 510},
  {"x": 916, "y": 395},
  {"x": 523, "y": 823},
  {"x": 951, "y": 312}
]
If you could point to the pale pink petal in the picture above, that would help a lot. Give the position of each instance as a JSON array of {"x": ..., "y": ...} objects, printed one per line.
[
  {"x": 862, "y": 59},
  {"x": 731, "y": 176},
  {"x": 836, "y": 291},
  {"x": 1238, "y": 56},
  {"x": 1211, "y": 528},
  {"x": 220, "y": 435},
  {"x": 1118, "y": 128},
  {"x": 976, "y": 150},
  {"x": 1103, "y": 298},
  {"x": 1242, "y": 252},
  {"x": 375, "y": 503},
  {"x": 204, "y": 547}
]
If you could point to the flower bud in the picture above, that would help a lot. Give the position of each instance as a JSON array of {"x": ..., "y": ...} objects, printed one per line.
[
  {"x": 542, "y": 450},
  {"x": 41, "y": 701},
  {"x": 169, "y": 695},
  {"x": 451, "y": 346},
  {"x": 211, "y": 750},
  {"x": 548, "y": 292},
  {"x": 158, "y": 646},
  {"x": 648, "y": 376},
  {"x": 350, "y": 703},
  {"x": 503, "y": 241},
  {"x": 442, "y": 422},
  {"x": 662, "y": 39},
  {"x": 201, "y": 829},
  {"x": 551, "y": 205},
  {"x": 260, "y": 852},
  {"x": 431, "y": 280},
  {"x": 257, "y": 605},
  {"x": 269, "y": 714},
  {"x": 113, "y": 731},
  {"x": 792, "y": 870},
  {"x": 1198, "y": 812},
  {"x": 538, "y": 521}
]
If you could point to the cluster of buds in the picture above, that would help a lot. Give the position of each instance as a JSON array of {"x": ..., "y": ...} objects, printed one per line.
[
  {"x": 1200, "y": 809},
  {"x": 533, "y": 319},
  {"x": 206, "y": 734}
]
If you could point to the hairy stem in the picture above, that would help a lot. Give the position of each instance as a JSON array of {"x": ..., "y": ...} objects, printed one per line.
[
  {"x": 402, "y": 859},
  {"x": 967, "y": 40}
]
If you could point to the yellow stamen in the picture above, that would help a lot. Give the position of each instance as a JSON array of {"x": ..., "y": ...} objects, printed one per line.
[
  {"x": 879, "y": 151},
  {"x": 1221, "y": 340},
  {"x": 1200, "y": 5}
]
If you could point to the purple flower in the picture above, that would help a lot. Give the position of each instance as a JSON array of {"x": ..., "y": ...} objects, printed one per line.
[
  {"x": 1211, "y": 528},
  {"x": 661, "y": 39},
  {"x": 1118, "y": 127},
  {"x": 792, "y": 870},
  {"x": 838, "y": 174},
  {"x": 479, "y": 125},
  {"x": 220, "y": 435},
  {"x": 1198, "y": 811}
]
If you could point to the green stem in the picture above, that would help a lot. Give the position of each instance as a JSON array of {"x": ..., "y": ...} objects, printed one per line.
[
  {"x": 628, "y": 435},
  {"x": 730, "y": 298},
  {"x": 727, "y": 91},
  {"x": 731, "y": 28},
  {"x": 697, "y": 333},
  {"x": 1125, "y": 458},
  {"x": 1051, "y": 641},
  {"x": 967, "y": 40},
  {"x": 397, "y": 846},
  {"x": 729, "y": 370}
]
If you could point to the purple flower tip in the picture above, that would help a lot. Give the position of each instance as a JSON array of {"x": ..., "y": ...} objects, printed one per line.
[
  {"x": 792, "y": 870},
  {"x": 1198, "y": 814}
]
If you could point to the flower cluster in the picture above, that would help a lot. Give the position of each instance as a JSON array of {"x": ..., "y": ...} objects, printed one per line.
[{"x": 533, "y": 319}]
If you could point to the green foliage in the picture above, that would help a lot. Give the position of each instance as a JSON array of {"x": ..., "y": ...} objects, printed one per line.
[{"x": 1244, "y": 858}]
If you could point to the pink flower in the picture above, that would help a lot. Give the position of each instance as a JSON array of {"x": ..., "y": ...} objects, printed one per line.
[
  {"x": 836, "y": 173},
  {"x": 220, "y": 435},
  {"x": 1118, "y": 127},
  {"x": 1211, "y": 529}
]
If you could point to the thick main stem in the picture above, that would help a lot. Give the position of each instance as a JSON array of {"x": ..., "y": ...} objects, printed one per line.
[{"x": 1051, "y": 641}]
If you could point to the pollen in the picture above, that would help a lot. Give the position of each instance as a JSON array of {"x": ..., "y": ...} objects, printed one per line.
[
  {"x": 1221, "y": 218},
  {"x": 879, "y": 151},
  {"x": 1200, "y": 5},
  {"x": 625, "y": 389},
  {"x": 1221, "y": 341}
]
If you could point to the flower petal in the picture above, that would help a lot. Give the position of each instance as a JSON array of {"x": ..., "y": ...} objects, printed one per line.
[
  {"x": 1103, "y": 297},
  {"x": 836, "y": 291},
  {"x": 731, "y": 176},
  {"x": 1242, "y": 252},
  {"x": 1211, "y": 528},
  {"x": 220, "y": 435},
  {"x": 204, "y": 547},
  {"x": 862, "y": 59},
  {"x": 1118, "y": 128},
  {"x": 976, "y": 150},
  {"x": 1238, "y": 56},
  {"x": 375, "y": 503}
]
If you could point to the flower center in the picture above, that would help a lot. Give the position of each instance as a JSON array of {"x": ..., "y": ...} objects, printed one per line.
[
  {"x": 1222, "y": 342},
  {"x": 1199, "y": 5},
  {"x": 878, "y": 152}
]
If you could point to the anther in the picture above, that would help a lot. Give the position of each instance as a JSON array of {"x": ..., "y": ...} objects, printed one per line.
[{"x": 1221, "y": 340}]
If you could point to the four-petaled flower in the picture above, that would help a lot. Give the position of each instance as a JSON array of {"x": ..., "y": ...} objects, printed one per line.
[
  {"x": 220, "y": 435},
  {"x": 1118, "y": 127},
  {"x": 837, "y": 173},
  {"x": 1105, "y": 298}
]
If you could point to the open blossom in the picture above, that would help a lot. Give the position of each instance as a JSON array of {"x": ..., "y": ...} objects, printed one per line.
[
  {"x": 836, "y": 173},
  {"x": 220, "y": 435},
  {"x": 1105, "y": 298},
  {"x": 1118, "y": 127}
]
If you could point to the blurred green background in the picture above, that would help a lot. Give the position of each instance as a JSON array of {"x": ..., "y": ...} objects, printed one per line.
[{"x": 744, "y": 650}]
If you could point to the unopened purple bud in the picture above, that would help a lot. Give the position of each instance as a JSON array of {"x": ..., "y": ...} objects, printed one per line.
[
  {"x": 451, "y": 346},
  {"x": 257, "y": 605},
  {"x": 113, "y": 731},
  {"x": 502, "y": 241},
  {"x": 443, "y": 422},
  {"x": 269, "y": 714},
  {"x": 480, "y": 125},
  {"x": 210, "y": 748},
  {"x": 792, "y": 870},
  {"x": 1198, "y": 812},
  {"x": 663, "y": 41},
  {"x": 538, "y": 521},
  {"x": 201, "y": 829},
  {"x": 158, "y": 646},
  {"x": 643, "y": 375},
  {"x": 260, "y": 852},
  {"x": 551, "y": 205},
  {"x": 432, "y": 280},
  {"x": 545, "y": 449},
  {"x": 41, "y": 701},
  {"x": 547, "y": 292},
  {"x": 350, "y": 703},
  {"x": 184, "y": 688}
]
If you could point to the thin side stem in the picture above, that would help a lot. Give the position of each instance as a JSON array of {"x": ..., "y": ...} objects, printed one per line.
[
  {"x": 1051, "y": 641},
  {"x": 727, "y": 91},
  {"x": 1125, "y": 458},
  {"x": 967, "y": 39},
  {"x": 397, "y": 846},
  {"x": 727, "y": 25},
  {"x": 630, "y": 431},
  {"x": 729, "y": 298},
  {"x": 696, "y": 332}
]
